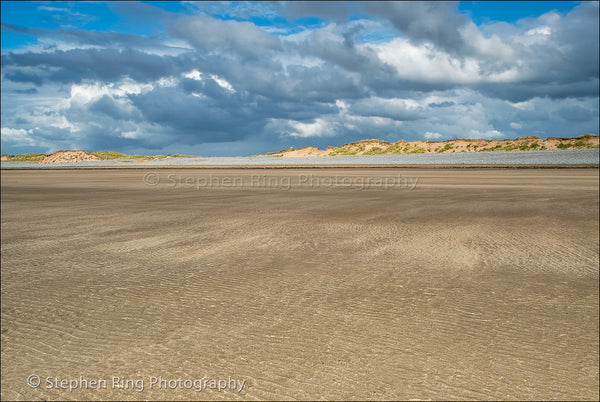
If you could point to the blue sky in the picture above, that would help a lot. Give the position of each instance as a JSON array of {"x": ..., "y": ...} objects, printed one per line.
[{"x": 242, "y": 78}]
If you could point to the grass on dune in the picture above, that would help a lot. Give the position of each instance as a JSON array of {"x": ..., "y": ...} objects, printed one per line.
[{"x": 104, "y": 155}]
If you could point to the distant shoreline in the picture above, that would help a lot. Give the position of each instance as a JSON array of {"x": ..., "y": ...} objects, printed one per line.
[
  {"x": 363, "y": 147},
  {"x": 570, "y": 158}
]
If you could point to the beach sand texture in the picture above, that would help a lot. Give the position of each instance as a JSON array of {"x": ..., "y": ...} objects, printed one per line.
[{"x": 476, "y": 284}]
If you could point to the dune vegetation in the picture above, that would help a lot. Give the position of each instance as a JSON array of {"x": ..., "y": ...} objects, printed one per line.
[
  {"x": 101, "y": 155},
  {"x": 379, "y": 147}
]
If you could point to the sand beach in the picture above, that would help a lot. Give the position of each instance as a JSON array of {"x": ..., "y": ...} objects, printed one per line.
[{"x": 356, "y": 283}]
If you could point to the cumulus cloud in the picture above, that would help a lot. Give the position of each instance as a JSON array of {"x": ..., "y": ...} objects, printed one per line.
[
  {"x": 77, "y": 65},
  {"x": 210, "y": 34},
  {"x": 318, "y": 128},
  {"x": 437, "y": 23},
  {"x": 18, "y": 136},
  {"x": 216, "y": 75}
]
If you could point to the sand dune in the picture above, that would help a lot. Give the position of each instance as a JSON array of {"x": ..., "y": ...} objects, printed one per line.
[
  {"x": 376, "y": 147},
  {"x": 475, "y": 284},
  {"x": 69, "y": 156}
]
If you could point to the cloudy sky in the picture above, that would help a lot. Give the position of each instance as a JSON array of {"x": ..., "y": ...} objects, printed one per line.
[{"x": 243, "y": 78}]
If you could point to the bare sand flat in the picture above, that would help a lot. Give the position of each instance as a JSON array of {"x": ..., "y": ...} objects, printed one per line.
[{"x": 471, "y": 284}]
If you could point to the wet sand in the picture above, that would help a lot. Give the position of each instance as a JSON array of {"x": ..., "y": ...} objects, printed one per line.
[{"x": 474, "y": 284}]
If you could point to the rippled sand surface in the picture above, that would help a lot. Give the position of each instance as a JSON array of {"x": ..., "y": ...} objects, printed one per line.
[{"x": 475, "y": 284}]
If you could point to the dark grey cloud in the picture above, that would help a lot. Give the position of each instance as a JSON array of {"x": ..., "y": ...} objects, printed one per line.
[
  {"x": 210, "y": 34},
  {"x": 198, "y": 118},
  {"x": 532, "y": 115},
  {"x": 32, "y": 77},
  {"x": 29, "y": 91},
  {"x": 518, "y": 92},
  {"x": 556, "y": 56},
  {"x": 340, "y": 53},
  {"x": 322, "y": 84},
  {"x": 22, "y": 121},
  {"x": 297, "y": 110},
  {"x": 578, "y": 36},
  {"x": 441, "y": 104},
  {"x": 395, "y": 110},
  {"x": 437, "y": 22},
  {"x": 575, "y": 113},
  {"x": 108, "y": 106},
  {"x": 204, "y": 111},
  {"x": 73, "y": 66},
  {"x": 270, "y": 79},
  {"x": 332, "y": 10}
]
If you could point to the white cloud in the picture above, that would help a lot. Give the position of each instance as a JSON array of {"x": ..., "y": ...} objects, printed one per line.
[
  {"x": 137, "y": 133},
  {"x": 375, "y": 121},
  {"x": 194, "y": 75},
  {"x": 167, "y": 82},
  {"x": 432, "y": 136},
  {"x": 490, "y": 46},
  {"x": 86, "y": 93},
  {"x": 319, "y": 128},
  {"x": 398, "y": 103},
  {"x": 222, "y": 82},
  {"x": 485, "y": 135},
  {"x": 199, "y": 76},
  {"x": 542, "y": 30},
  {"x": 17, "y": 136},
  {"x": 526, "y": 105},
  {"x": 425, "y": 63}
]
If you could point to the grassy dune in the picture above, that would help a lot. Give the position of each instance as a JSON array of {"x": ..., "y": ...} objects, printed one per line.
[
  {"x": 104, "y": 155},
  {"x": 379, "y": 147}
]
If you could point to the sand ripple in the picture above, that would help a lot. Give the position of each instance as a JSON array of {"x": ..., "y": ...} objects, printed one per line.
[{"x": 476, "y": 285}]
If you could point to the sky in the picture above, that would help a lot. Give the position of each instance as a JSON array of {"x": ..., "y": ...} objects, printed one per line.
[{"x": 247, "y": 78}]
